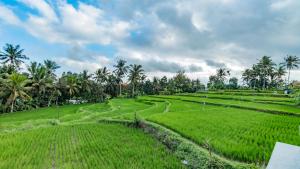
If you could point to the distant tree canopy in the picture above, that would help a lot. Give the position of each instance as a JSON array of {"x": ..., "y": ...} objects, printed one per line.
[
  {"x": 40, "y": 86},
  {"x": 268, "y": 75}
]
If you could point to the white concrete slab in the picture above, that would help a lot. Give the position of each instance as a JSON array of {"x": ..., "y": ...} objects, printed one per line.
[{"x": 285, "y": 156}]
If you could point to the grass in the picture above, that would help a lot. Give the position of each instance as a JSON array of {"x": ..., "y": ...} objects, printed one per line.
[
  {"x": 265, "y": 99},
  {"x": 249, "y": 93},
  {"x": 238, "y": 134},
  {"x": 288, "y": 109},
  {"x": 84, "y": 146}
]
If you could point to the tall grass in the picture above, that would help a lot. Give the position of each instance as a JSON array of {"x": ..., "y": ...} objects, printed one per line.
[{"x": 84, "y": 146}]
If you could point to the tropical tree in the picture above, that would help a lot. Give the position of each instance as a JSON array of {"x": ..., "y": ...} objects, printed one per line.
[
  {"x": 40, "y": 81},
  {"x": 156, "y": 86},
  {"x": 55, "y": 92},
  {"x": 72, "y": 85},
  {"x": 218, "y": 81},
  {"x": 291, "y": 62},
  {"x": 101, "y": 75},
  {"x": 135, "y": 75},
  {"x": 85, "y": 83},
  {"x": 15, "y": 87},
  {"x": 233, "y": 83},
  {"x": 12, "y": 55},
  {"x": 222, "y": 73},
  {"x": 112, "y": 86},
  {"x": 276, "y": 76},
  {"x": 51, "y": 67},
  {"x": 247, "y": 76},
  {"x": 266, "y": 66},
  {"x": 120, "y": 72}
]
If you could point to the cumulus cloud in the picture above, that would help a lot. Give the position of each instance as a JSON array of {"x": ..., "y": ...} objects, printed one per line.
[
  {"x": 63, "y": 23},
  {"x": 8, "y": 16},
  {"x": 167, "y": 36},
  {"x": 80, "y": 65}
]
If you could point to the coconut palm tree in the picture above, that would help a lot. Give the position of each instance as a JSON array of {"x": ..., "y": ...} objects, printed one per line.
[
  {"x": 40, "y": 80},
  {"x": 72, "y": 85},
  {"x": 12, "y": 55},
  {"x": 276, "y": 76},
  {"x": 120, "y": 71},
  {"x": 247, "y": 76},
  {"x": 15, "y": 87},
  {"x": 54, "y": 93},
  {"x": 85, "y": 82},
  {"x": 222, "y": 73},
  {"x": 135, "y": 75},
  {"x": 101, "y": 75},
  {"x": 266, "y": 66},
  {"x": 51, "y": 67},
  {"x": 291, "y": 62}
]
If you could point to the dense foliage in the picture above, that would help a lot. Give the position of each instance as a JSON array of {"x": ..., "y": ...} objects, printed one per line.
[
  {"x": 267, "y": 75},
  {"x": 39, "y": 86}
]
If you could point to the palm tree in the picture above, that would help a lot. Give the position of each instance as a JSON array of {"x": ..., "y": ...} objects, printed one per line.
[
  {"x": 51, "y": 66},
  {"x": 15, "y": 86},
  {"x": 222, "y": 73},
  {"x": 120, "y": 71},
  {"x": 101, "y": 75},
  {"x": 13, "y": 55},
  {"x": 266, "y": 66},
  {"x": 72, "y": 85},
  {"x": 85, "y": 81},
  {"x": 55, "y": 93},
  {"x": 40, "y": 79},
  {"x": 278, "y": 73},
  {"x": 135, "y": 75},
  {"x": 247, "y": 76},
  {"x": 291, "y": 62}
]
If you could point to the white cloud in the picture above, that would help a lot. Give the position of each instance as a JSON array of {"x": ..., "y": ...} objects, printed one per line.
[
  {"x": 171, "y": 34},
  {"x": 43, "y": 7},
  {"x": 87, "y": 24},
  {"x": 8, "y": 16},
  {"x": 281, "y": 4},
  {"x": 80, "y": 65}
]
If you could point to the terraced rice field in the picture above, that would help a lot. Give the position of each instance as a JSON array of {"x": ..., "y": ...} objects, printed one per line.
[
  {"x": 84, "y": 146},
  {"x": 239, "y": 134},
  {"x": 238, "y": 127}
]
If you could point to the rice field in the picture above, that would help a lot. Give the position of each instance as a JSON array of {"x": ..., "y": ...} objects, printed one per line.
[
  {"x": 241, "y": 127},
  {"x": 84, "y": 146},
  {"x": 238, "y": 134}
]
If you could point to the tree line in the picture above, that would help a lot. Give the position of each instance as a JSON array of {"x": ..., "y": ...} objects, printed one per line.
[
  {"x": 261, "y": 76},
  {"x": 39, "y": 86}
]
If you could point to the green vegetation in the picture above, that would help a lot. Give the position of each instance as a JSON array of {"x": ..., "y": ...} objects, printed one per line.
[
  {"x": 233, "y": 132},
  {"x": 84, "y": 146},
  {"x": 239, "y": 134},
  {"x": 224, "y": 127},
  {"x": 276, "y": 108}
]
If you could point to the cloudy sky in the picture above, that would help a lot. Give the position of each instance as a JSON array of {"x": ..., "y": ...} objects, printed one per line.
[{"x": 164, "y": 36}]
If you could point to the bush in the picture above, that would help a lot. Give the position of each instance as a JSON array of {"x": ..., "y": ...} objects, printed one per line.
[{"x": 54, "y": 122}]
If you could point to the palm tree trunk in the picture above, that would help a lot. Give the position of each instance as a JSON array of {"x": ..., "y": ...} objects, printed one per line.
[
  {"x": 264, "y": 83},
  {"x": 120, "y": 86},
  {"x": 49, "y": 102},
  {"x": 132, "y": 90},
  {"x": 12, "y": 106},
  {"x": 289, "y": 78}
]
